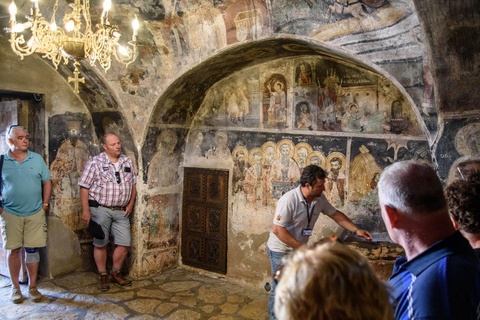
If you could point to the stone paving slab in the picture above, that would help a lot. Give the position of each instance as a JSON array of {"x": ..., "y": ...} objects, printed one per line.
[{"x": 173, "y": 295}]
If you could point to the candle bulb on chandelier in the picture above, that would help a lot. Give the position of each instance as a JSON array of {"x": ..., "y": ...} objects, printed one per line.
[
  {"x": 34, "y": 7},
  {"x": 107, "y": 5},
  {"x": 13, "y": 11},
  {"x": 135, "y": 26}
]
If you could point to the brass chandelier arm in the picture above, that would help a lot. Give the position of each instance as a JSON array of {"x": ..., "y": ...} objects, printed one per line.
[{"x": 76, "y": 41}]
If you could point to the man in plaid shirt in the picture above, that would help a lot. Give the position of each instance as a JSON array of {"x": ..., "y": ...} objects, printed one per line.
[{"x": 107, "y": 193}]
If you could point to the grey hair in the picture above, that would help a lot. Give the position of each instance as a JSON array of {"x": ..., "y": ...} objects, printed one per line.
[
  {"x": 411, "y": 187},
  {"x": 9, "y": 134}
]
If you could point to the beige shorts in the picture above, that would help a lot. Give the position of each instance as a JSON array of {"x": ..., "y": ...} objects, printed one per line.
[{"x": 28, "y": 232}]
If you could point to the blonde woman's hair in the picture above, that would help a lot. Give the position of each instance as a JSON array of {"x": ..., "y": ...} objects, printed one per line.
[{"x": 331, "y": 282}]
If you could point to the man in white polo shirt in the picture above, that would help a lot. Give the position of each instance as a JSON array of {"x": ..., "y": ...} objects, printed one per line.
[{"x": 295, "y": 216}]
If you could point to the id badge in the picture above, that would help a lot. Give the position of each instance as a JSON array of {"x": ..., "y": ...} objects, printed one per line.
[{"x": 306, "y": 232}]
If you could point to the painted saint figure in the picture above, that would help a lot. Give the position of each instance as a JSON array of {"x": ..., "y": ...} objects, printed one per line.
[
  {"x": 284, "y": 168},
  {"x": 335, "y": 182},
  {"x": 66, "y": 169},
  {"x": 305, "y": 118},
  {"x": 163, "y": 169},
  {"x": 239, "y": 168},
  {"x": 255, "y": 184},
  {"x": 278, "y": 105},
  {"x": 304, "y": 76}
]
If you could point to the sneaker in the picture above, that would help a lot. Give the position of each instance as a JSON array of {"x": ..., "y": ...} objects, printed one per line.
[
  {"x": 16, "y": 296},
  {"x": 103, "y": 282},
  {"x": 117, "y": 277},
  {"x": 35, "y": 296}
]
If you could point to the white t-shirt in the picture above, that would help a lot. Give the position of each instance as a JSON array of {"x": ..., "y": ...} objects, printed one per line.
[{"x": 291, "y": 213}]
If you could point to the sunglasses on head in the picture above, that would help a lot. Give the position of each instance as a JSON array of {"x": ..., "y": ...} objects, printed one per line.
[
  {"x": 117, "y": 175},
  {"x": 11, "y": 127}
]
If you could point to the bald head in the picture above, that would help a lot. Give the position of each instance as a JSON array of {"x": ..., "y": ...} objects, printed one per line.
[{"x": 112, "y": 145}]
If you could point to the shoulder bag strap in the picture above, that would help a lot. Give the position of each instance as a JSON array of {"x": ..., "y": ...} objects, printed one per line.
[{"x": 1, "y": 166}]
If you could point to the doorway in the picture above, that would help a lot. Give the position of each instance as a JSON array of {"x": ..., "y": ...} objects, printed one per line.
[
  {"x": 204, "y": 219},
  {"x": 27, "y": 110}
]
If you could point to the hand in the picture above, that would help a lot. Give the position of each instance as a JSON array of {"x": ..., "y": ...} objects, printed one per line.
[
  {"x": 86, "y": 216},
  {"x": 128, "y": 210},
  {"x": 364, "y": 234}
]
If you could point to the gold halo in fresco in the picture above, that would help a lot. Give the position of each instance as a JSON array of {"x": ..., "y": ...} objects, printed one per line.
[
  {"x": 238, "y": 149},
  {"x": 465, "y": 136},
  {"x": 336, "y": 155},
  {"x": 280, "y": 83},
  {"x": 287, "y": 142},
  {"x": 252, "y": 152},
  {"x": 302, "y": 145},
  {"x": 351, "y": 105},
  {"x": 320, "y": 156},
  {"x": 167, "y": 134}
]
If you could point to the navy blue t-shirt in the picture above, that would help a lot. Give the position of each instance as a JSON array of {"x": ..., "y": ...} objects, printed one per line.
[{"x": 443, "y": 282}]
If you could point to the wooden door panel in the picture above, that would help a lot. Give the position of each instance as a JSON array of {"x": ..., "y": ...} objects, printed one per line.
[
  {"x": 195, "y": 218},
  {"x": 194, "y": 249},
  {"x": 216, "y": 189},
  {"x": 204, "y": 219},
  {"x": 195, "y": 187}
]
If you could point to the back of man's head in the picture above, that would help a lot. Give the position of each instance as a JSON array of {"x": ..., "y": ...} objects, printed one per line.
[
  {"x": 466, "y": 168},
  {"x": 411, "y": 187},
  {"x": 310, "y": 174},
  {"x": 464, "y": 204}
]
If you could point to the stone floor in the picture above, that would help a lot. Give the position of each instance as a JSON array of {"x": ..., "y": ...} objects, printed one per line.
[{"x": 175, "y": 294}]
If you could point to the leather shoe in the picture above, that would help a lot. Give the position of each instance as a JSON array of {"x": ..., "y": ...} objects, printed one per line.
[
  {"x": 103, "y": 282},
  {"x": 117, "y": 277}
]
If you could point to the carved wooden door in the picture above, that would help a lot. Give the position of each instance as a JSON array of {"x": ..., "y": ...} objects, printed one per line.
[{"x": 204, "y": 219}]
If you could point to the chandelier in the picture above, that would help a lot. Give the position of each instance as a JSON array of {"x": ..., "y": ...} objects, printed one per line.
[{"x": 75, "y": 41}]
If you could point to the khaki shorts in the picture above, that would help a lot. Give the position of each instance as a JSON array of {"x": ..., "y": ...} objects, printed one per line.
[{"x": 28, "y": 232}]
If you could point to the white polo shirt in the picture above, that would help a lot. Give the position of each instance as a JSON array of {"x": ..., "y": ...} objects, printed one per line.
[{"x": 291, "y": 213}]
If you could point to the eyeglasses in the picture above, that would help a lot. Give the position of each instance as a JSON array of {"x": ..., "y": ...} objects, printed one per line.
[
  {"x": 11, "y": 127},
  {"x": 117, "y": 175},
  {"x": 278, "y": 274}
]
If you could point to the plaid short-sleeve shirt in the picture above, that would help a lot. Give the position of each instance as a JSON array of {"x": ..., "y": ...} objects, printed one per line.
[{"x": 100, "y": 180}]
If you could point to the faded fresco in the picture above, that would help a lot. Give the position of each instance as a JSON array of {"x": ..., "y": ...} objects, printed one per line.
[
  {"x": 310, "y": 94},
  {"x": 465, "y": 143},
  {"x": 266, "y": 165},
  {"x": 69, "y": 159}
]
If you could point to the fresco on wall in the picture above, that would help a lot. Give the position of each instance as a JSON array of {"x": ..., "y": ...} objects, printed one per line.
[
  {"x": 307, "y": 17},
  {"x": 265, "y": 166},
  {"x": 460, "y": 138},
  {"x": 163, "y": 168},
  {"x": 244, "y": 20},
  {"x": 161, "y": 157},
  {"x": 325, "y": 95},
  {"x": 274, "y": 101},
  {"x": 236, "y": 100},
  {"x": 73, "y": 132}
]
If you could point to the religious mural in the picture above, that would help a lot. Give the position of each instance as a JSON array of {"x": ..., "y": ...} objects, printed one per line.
[
  {"x": 73, "y": 132},
  {"x": 163, "y": 168},
  {"x": 265, "y": 166},
  {"x": 312, "y": 94},
  {"x": 466, "y": 142}
]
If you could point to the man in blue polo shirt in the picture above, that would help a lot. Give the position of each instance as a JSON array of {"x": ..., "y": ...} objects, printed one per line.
[
  {"x": 26, "y": 190},
  {"x": 440, "y": 276}
]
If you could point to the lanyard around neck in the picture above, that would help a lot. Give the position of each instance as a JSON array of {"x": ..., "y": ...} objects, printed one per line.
[{"x": 309, "y": 212}]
